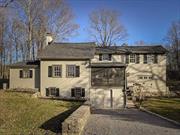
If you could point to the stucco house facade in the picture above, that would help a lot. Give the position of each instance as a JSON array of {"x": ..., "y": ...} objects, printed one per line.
[{"x": 99, "y": 74}]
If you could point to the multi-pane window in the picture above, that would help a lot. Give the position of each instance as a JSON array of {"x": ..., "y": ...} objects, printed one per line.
[
  {"x": 52, "y": 91},
  {"x": 57, "y": 71},
  {"x": 105, "y": 57},
  {"x": 132, "y": 58},
  {"x": 150, "y": 58},
  {"x": 25, "y": 73},
  {"x": 72, "y": 71},
  {"x": 78, "y": 92},
  {"x": 145, "y": 77}
]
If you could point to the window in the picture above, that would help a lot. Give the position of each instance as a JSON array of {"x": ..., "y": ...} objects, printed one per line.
[
  {"x": 150, "y": 59},
  {"x": 73, "y": 71},
  {"x": 25, "y": 73},
  {"x": 55, "y": 71},
  {"x": 150, "y": 78},
  {"x": 132, "y": 58},
  {"x": 145, "y": 77},
  {"x": 145, "y": 58},
  {"x": 52, "y": 91},
  {"x": 78, "y": 92},
  {"x": 107, "y": 76},
  {"x": 105, "y": 57}
]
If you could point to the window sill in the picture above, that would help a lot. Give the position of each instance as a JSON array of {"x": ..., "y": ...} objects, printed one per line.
[
  {"x": 26, "y": 78},
  {"x": 56, "y": 77},
  {"x": 71, "y": 77}
]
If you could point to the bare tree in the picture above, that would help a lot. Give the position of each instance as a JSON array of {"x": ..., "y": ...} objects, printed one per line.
[
  {"x": 173, "y": 39},
  {"x": 41, "y": 16},
  {"x": 3, "y": 39},
  {"x": 106, "y": 28}
]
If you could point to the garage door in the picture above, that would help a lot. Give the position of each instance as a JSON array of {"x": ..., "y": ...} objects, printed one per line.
[{"x": 106, "y": 98}]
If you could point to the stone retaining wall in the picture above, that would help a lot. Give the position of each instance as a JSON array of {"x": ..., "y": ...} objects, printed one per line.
[{"x": 75, "y": 123}]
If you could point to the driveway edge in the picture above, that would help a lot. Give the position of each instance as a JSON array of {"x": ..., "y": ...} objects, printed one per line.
[{"x": 162, "y": 117}]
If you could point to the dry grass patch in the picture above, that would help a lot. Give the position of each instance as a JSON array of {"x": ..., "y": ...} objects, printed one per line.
[
  {"x": 168, "y": 107},
  {"x": 22, "y": 114}
]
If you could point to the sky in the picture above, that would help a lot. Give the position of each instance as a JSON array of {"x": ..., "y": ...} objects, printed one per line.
[{"x": 146, "y": 20}]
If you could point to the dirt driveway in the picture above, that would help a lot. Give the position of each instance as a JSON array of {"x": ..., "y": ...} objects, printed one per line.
[{"x": 128, "y": 122}]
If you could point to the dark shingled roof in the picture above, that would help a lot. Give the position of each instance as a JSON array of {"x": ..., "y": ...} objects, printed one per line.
[
  {"x": 131, "y": 49},
  {"x": 68, "y": 51},
  {"x": 87, "y": 50},
  {"x": 24, "y": 64},
  {"x": 145, "y": 49}
]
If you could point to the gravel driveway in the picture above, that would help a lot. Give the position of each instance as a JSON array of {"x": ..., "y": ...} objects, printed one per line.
[{"x": 128, "y": 122}]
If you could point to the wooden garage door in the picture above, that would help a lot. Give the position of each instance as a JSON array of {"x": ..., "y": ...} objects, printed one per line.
[{"x": 106, "y": 98}]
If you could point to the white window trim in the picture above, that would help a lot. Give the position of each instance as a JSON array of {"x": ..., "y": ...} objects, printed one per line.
[
  {"x": 53, "y": 70},
  {"x": 73, "y": 70},
  {"x": 107, "y": 57},
  {"x": 132, "y": 57}
]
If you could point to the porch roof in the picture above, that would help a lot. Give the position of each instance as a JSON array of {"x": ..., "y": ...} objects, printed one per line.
[{"x": 108, "y": 64}]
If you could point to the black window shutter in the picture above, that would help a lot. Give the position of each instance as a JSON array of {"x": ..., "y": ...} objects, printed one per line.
[
  {"x": 137, "y": 58},
  {"x": 100, "y": 57},
  {"x": 49, "y": 71},
  {"x": 77, "y": 71},
  {"x": 20, "y": 74},
  {"x": 31, "y": 73},
  {"x": 155, "y": 58},
  {"x": 57, "y": 92},
  {"x": 127, "y": 59},
  {"x": 47, "y": 91},
  {"x": 110, "y": 56},
  {"x": 72, "y": 92},
  {"x": 83, "y": 92}
]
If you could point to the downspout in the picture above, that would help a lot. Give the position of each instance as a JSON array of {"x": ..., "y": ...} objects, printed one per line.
[
  {"x": 89, "y": 80},
  {"x": 124, "y": 91}
]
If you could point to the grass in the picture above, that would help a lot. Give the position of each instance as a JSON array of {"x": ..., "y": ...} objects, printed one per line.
[
  {"x": 22, "y": 114},
  {"x": 167, "y": 107}
]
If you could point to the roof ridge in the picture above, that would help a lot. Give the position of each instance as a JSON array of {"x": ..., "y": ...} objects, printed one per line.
[{"x": 73, "y": 42}]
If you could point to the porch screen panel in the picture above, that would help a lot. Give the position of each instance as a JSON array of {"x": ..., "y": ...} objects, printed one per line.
[{"x": 107, "y": 76}]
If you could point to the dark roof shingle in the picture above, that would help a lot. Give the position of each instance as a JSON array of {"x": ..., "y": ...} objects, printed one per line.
[
  {"x": 131, "y": 49},
  {"x": 68, "y": 51}
]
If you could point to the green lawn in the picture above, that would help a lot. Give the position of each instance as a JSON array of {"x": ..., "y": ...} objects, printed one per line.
[
  {"x": 22, "y": 114},
  {"x": 168, "y": 107}
]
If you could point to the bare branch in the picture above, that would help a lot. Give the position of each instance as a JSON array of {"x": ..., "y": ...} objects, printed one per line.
[{"x": 105, "y": 27}]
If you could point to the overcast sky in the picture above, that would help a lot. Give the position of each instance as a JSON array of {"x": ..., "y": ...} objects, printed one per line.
[{"x": 146, "y": 20}]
